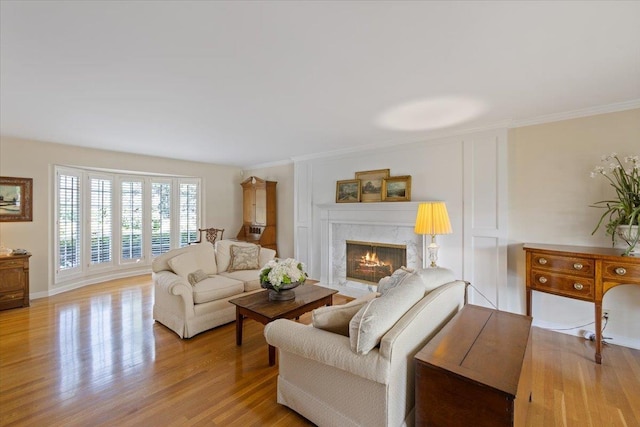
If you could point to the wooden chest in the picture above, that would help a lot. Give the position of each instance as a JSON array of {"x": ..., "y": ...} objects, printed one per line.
[{"x": 476, "y": 371}]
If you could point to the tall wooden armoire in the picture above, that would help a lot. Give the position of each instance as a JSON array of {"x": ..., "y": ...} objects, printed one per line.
[{"x": 259, "y": 212}]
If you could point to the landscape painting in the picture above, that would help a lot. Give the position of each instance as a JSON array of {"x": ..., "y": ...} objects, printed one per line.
[{"x": 15, "y": 199}]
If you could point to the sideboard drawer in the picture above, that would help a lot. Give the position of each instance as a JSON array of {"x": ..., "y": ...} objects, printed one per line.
[
  {"x": 576, "y": 287},
  {"x": 563, "y": 264},
  {"x": 17, "y": 296},
  {"x": 11, "y": 263},
  {"x": 621, "y": 272}
]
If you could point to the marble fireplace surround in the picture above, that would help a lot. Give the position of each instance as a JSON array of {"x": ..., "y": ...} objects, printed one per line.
[{"x": 391, "y": 222}]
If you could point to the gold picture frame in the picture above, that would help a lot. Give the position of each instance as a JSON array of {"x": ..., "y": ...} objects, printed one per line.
[
  {"x": 15, "y": 199},
  {"x": 397, "y": 189},
  {"x": 348, "y": 191},
  {"x": 371, "y": 184}
]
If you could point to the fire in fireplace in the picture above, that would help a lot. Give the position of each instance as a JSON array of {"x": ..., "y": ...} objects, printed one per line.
[{"x": 368, "y": 262}]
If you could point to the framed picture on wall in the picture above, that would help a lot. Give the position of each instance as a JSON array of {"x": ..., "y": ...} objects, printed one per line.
[
  {"x": 397, "y": 189},
  {"x": 348, "y": 191},
  {"x": 15, "y": 199},
  {"x": 371, "y": 184}
]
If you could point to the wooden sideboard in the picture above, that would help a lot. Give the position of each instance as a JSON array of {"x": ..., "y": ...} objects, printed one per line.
[
  {"x": 578, "y": 272},
  {"x": 14, "y": 281},
  {"x": 476, "y": 371}
]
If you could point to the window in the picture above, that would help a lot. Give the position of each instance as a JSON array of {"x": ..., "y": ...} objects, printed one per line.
[
  {"x": 109, "y": 221},
  {"x": 131, "y": 220},
  {"x": 68, "y": 221},
  {"x": 160, "y": 218},
  {"x": 101, "y": 220},
  {"x": 189, "y": 199}
]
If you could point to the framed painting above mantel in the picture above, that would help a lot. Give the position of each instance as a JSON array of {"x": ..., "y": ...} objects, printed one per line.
[
  {"x": 371, "y": 184},
  {"x": 15, "y": 199}
]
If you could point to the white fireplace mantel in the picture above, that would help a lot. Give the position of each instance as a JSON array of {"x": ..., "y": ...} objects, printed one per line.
[{"x": 379, "y": 222}]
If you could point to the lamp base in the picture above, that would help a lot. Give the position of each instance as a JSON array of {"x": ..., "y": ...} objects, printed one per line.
[{"x": 433, "y": 254}]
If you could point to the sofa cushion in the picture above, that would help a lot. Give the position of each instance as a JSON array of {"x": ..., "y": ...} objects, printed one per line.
[
  {"x": 196, "y": 276},
  {"x": 191, "y": 258},
  {"x": 374, "y": 319},
  {"x": 390, "y": 282},
  {"x": 251, "y": 278},
  {"x": 216, "y": 287},
  {"x": 184, "y": 264},
  {"x": 206, "y": 257},
  {"x": 435, "y": 277},
  {"x": 244, "y": 258},
  {"x": 336, "y": 318}
]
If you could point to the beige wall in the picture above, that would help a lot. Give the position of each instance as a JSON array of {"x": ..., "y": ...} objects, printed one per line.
[
  {"x": 283, "y": 174},
  {"x": 30, "y": 159},
  {"x": 550, "y": 191}
]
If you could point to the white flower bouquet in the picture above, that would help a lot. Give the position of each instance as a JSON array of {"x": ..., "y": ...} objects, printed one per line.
[{"x": 281, "y": 272}]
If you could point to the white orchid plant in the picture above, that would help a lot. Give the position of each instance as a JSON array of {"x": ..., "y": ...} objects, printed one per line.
[
  {"x": 625, "y": 209},
  {"x": 279, "y": 272}
]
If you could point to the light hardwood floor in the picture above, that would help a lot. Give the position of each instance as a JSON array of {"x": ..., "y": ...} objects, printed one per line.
[{"x": 94, "y": 356}]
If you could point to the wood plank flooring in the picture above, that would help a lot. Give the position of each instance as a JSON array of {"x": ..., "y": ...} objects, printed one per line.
[{"x": 94, "y": 356}]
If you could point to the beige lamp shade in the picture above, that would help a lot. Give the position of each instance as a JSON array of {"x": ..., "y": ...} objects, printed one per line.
[{"x": 432, "y": 219}]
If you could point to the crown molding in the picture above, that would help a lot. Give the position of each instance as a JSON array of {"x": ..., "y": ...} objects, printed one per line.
[{"x": 575, "y": 114}]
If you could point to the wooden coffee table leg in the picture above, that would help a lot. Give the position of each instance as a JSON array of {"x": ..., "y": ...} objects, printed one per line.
[
  {"x": 272, "y": 355},
  {"x": 239, "y": 319}
]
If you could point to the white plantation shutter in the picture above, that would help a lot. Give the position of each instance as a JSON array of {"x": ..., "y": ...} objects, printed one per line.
[
  {"x": 101, "y": 209},
  {"x": 68, "y": 221},
  {"x": 131, "y": 219},
  {"x": 160, "y": 218},
  {"x": 109, "y": 221},
  {"x": 189, "y": 210}
]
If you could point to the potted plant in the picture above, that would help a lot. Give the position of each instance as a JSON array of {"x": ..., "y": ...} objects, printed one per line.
[{"x": 621, "y": 214}]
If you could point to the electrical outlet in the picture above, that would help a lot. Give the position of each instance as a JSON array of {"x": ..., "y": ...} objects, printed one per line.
[{"x": 605, "y": 314}]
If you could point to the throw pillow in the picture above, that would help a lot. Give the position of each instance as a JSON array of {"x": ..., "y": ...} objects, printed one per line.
[
  {"x": 387, "y": 283},
  {"x": 244, "y": 258},
  {"x": 184, "y": 264},
  {"x": 374, "y": 319},
  {"x": 223, "y": 253},
  {"x": 336, "y": 318},
  {"x": 196, "y": 276}
]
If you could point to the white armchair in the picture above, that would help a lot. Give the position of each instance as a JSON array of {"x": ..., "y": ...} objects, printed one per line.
[{"x": 321, "y": 377}]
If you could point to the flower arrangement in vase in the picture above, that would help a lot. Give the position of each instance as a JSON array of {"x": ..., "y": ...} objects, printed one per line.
[
  {"x": 622, "y": 214},
  {"x": 281, "y": 276}
]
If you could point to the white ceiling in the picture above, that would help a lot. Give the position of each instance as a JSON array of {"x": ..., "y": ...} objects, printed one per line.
[{"x": 248, "y": 83}]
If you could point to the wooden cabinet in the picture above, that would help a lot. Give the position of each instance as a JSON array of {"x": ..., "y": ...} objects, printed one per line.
[
  {"x": 14, "y": 281},
  {"x": 476, "y": 371},
  {"x": 583, "y": 273},
  {"x": 259, "y": 212}
]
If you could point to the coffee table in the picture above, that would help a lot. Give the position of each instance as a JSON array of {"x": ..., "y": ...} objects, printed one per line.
[{"x": 258, "y": 307}]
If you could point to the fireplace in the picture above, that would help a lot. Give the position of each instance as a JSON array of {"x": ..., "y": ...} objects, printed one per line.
[{"x": 368, "y": 262}]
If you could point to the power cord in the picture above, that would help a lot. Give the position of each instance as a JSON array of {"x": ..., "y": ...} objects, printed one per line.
[
  {"x": 587, "y": 335},
  {"x": 481, "y": 294}
]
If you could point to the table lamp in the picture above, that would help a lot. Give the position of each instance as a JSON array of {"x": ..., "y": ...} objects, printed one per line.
[{"x": 432, "y": 219}]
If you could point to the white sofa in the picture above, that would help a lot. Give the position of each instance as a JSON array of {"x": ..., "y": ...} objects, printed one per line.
[
  {"x": 190, "y": 309},
  {"x": 325, "y": 380}
]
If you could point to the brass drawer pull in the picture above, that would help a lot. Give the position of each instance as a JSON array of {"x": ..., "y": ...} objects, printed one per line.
[
  {"x": 621, "y": 271},
  {"x": 542, "y": 261},
  {"x": 542, "y": 279},
  {"x": 578, "y": 286},
  {"x": 578, "y": 266}
]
